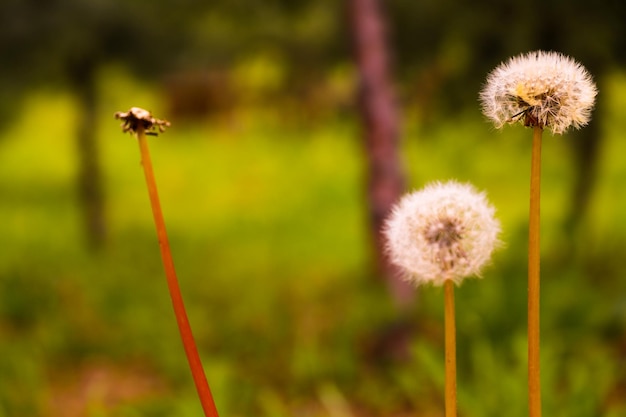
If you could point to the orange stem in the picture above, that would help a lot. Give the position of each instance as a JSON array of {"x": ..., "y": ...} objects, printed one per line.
[
  {"x": 197, "y": 371},
  {"x": 450, "y": 349},
  {"x": 534, "y": 379}
]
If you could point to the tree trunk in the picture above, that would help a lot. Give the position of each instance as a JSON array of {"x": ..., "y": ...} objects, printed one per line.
[
  {"x": 586, "y": 146},
  {"x": 380, "y": 119},
  {"x": 89, "y": 178}
]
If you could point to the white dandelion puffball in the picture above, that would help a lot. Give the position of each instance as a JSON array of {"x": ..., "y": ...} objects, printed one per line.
[
  {"x": 545, "y": 89},
  {"x": 446, "y": 231}
]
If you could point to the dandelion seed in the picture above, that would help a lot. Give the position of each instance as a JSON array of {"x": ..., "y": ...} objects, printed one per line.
[
  {"x": 140, "y": 123},
  {"x": 446, "y": 231},
  {"x": 443, "y": 234},
  {"x": 542, "y": 90},
  {"x": 545, "y": 89}
]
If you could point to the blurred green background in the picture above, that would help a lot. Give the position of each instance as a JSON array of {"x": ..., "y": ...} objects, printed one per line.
[{"x": 262, "y": 181}]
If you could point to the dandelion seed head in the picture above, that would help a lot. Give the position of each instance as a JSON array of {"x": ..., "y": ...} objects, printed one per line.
[
  {"x": 546, "y": 89},
  {"x": 444, "y": 231},
  {"x": 137, "y": 117}
]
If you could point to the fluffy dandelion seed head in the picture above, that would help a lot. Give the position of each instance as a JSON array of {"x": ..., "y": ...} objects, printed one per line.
[
  {"x": 545, "y": 89},
  {"x": 444, "y": 231}
]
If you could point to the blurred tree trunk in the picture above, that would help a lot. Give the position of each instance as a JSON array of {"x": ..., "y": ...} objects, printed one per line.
[
  {"x": 586, "y": 145},
  {"x": 89, "y": 177},
  {"x": 380, "y": 118}
]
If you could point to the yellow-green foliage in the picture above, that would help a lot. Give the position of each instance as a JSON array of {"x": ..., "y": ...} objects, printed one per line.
[{"x": 268, "y": 227}]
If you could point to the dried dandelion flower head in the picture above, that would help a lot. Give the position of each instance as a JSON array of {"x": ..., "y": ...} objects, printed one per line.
[
  {"x": 446, "y": 231},
  {"x": 545, "y": 89},
  {"x": 137, "y": 117}
]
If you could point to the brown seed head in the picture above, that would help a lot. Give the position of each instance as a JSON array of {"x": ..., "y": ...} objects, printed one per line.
[{"x": 137, "y": 117}]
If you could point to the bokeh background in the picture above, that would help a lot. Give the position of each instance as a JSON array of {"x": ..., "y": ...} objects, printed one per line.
[{"x": 267, "y": 179}]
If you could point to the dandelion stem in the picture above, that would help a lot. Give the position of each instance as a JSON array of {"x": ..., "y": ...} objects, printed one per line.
[
  {"x": 450, "y": 349},
  {"x": 197, "y": 371},
  {"x": 534, "y": 380}
]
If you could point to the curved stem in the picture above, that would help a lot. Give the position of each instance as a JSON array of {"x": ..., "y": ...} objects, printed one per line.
[
  {"x": 197, "y": 371},
  {"x": 534, "y": 380},
  {"x": 450, "y": 349}
]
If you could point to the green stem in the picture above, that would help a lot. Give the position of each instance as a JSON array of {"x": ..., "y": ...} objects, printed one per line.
[
  {"x": 450, "y": 349},
  {"x": 534, "y": 379},
  {"x": 197, "y": 371}
]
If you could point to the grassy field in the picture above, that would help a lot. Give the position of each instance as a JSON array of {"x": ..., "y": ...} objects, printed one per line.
[{"x": 268, "y": 229}]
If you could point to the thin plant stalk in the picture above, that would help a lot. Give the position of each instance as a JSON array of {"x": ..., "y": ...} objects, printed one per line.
[
  {"x": 534, "y": 380},
  {"x": 450, "y": 349},
  {"x": 197, "y": 371}
]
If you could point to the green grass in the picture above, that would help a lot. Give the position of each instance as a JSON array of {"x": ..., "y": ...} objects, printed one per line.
[{"x": 268, "y": 228}]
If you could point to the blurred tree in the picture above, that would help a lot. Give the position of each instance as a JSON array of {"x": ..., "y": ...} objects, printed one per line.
[
  {"x": 381, "y": 125},
  {"x": 381, "y": 130}
]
